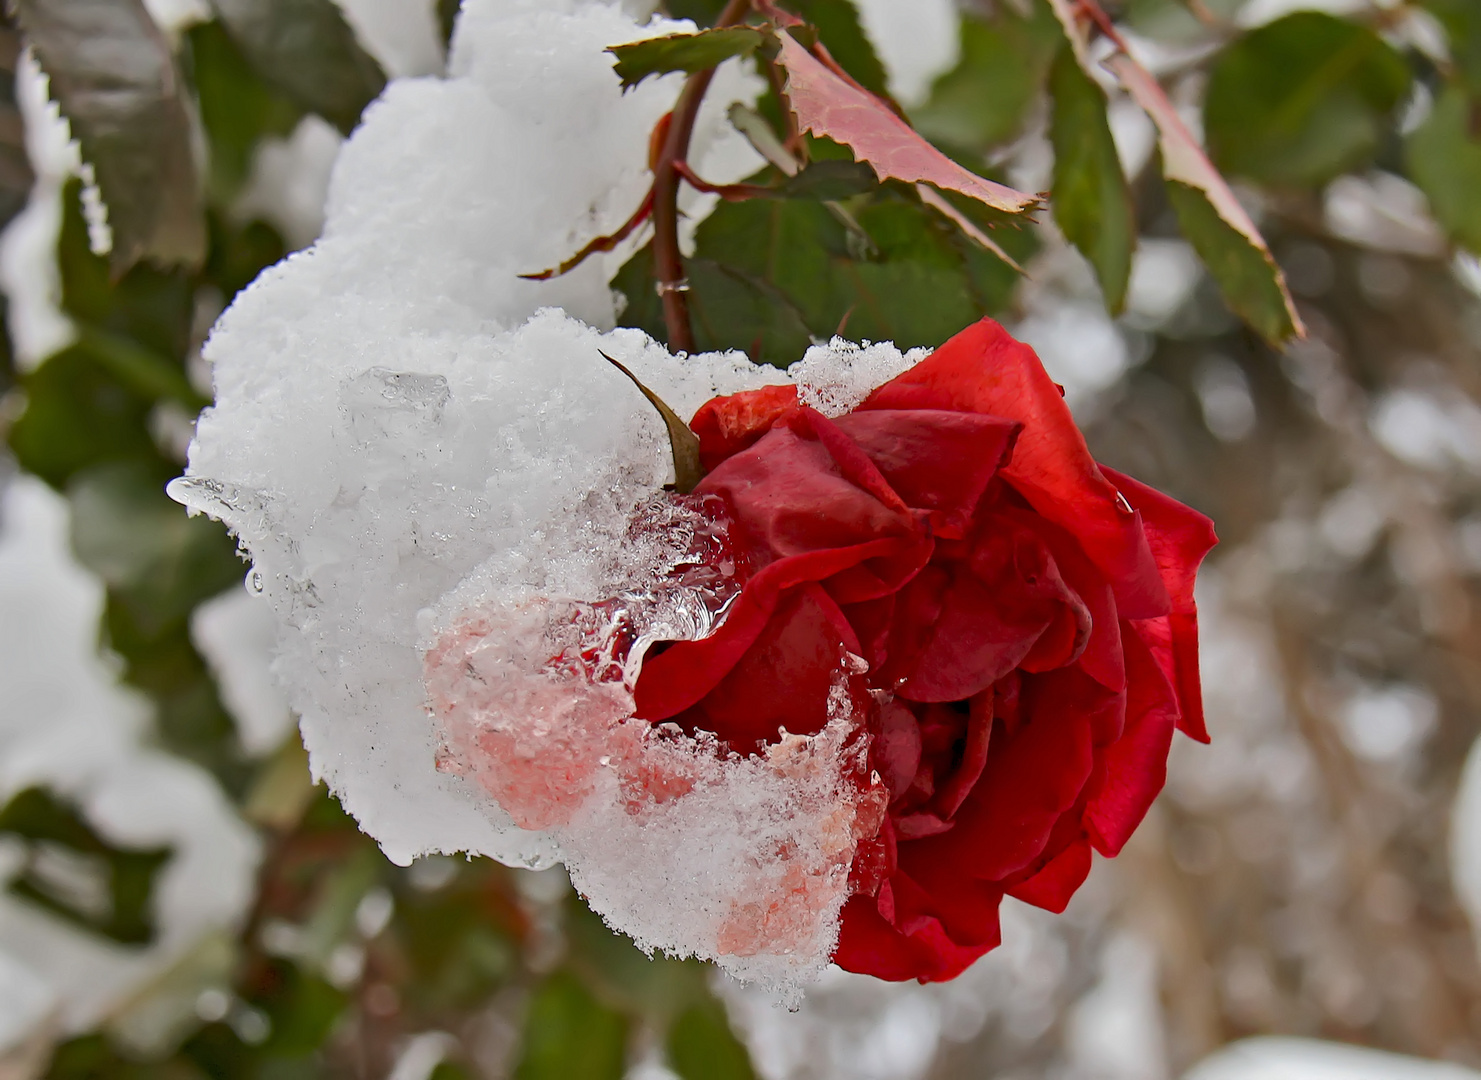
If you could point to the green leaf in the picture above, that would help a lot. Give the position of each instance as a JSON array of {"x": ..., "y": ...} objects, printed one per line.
[
  {"x": 115, "y": 80},
  {"x": 829, "y": 181},
  {"x": 983, "y": 102},
  {"x": 447, "y": 19},
  {"x": 78, "y": 413},
  {"x": 131, "y": 534},
  {"x": 153, "y": 307},
  {"x": 682, "y": 52},
  {"x": 1444, "y": 158},
  {"x": 838, "y": 28},
  {"x": 701, "y": 12},
  {"x": 307, "y": 50},
  {"x": 622, "y": 975},
  {"x": 729, "y": 309},
  {"x": 1302, "y": 100},
  {"x": 771, "y": 276},
  {"x": 1219, "y": 227},
  {"x": 702, "y": 1046},
  {"x": 1462, "y": 22},
  {"x": 238, "y": 109},
  {"x": 1248, "y": 277},
  {"x": 569, "y": 1035},
  {"x": 74, "y": 873},
  {"x": 1091, "y": 200}
]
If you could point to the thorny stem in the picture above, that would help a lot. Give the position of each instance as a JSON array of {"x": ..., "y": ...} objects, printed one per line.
[{"x": 668, "y": 261}]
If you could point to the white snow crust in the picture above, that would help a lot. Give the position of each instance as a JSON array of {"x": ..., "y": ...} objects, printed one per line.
[
  {"x": 409, "y": 438},
  {"x": 69, "y": 727},
  {"x": 412, "y": 440},
  {"x": 1280, "y": 1058}
]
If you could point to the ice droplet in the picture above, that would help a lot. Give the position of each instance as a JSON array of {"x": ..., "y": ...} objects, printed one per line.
[{"x": 254, "y": 582}]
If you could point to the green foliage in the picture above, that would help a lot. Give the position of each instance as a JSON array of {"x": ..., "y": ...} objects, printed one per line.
[
  {"x": 1444, "y": 158},
  {"x": 682, "y": 52},
  {"x": 1092, "y": 203},
  {"x": 569, "y": 1035},
  {"x": 830, "y": 180},
  {"x": 771, "y": 276},
  {"x": 305, "y": 49},
  {"x": 1302, "y": 99},
  {"x": 237, "y": 107},
  {"x": 447, "y": 18},
  {"x": 984, "y": 101},
  {"x": 1247, "y": 277},
  {"x": 74, "y": 873},
  {"x": 700, "y": 12},
  {"x": 701, "y": 1046},
  {"x": 1462, "y": 22}
]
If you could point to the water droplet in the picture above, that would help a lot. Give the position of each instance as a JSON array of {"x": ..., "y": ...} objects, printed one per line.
[{"x": 255, "y": 584}]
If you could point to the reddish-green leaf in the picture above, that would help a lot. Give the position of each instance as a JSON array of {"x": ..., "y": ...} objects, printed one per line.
[{"x": 829, "y": 105}]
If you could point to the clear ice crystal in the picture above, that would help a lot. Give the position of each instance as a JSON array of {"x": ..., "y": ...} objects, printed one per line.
[{"x": 752, "y": 854}]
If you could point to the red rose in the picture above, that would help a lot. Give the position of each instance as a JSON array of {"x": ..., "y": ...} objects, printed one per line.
[{"x": 1027, "y": 617}]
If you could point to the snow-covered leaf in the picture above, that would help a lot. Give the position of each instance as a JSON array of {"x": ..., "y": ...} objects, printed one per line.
[
  {"x": 16, "y": 174},
  {"x": 682, "y": 52},
  {"x": 306, "y": 49},
  {"x": 831, "y": 106},
  {"x": 113, "y": 76}
]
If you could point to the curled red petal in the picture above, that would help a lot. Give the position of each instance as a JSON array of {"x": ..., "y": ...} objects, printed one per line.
[
  {"x": 1179, "y": 537},
  {"x": 1054, "y": 884},
  {"x": 1135, "y": 765},
  {"x": 985, "y": 370},
  {"x": 727, "y": 425}
]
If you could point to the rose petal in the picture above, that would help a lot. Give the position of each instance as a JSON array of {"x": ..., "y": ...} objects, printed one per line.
[
  {"x": 984, "y": 370},
  {"x": 963, "y": 625},
  {"x": 1136, "y": 764},
  {"x": 1180, "y": 537},
  {"x": 1052, "y": 887},
  {"x": 1031, "y": 779},
  {"x": 937, "y": 460},
  {"x": 728, "y": 425}
]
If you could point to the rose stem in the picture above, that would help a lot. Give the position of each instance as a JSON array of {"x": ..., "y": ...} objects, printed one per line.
[{"x": 668, "y": 261}]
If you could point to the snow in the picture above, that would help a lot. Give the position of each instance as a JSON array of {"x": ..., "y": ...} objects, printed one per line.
[
  {"x": 401, "y": 34},
  {"x": 289, "y": 181},
  {"x": 70, "y": 727},
  {"x": 422, "y": 451},
  {"x": 916, "y": 41},
  {"x": 1465, "y": 840},
  {"x": 237, "y": 634},
  {"x": 1278, "y": 1058}
]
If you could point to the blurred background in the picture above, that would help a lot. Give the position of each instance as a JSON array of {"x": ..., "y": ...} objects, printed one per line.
[{"x": 181, "y": 901}]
